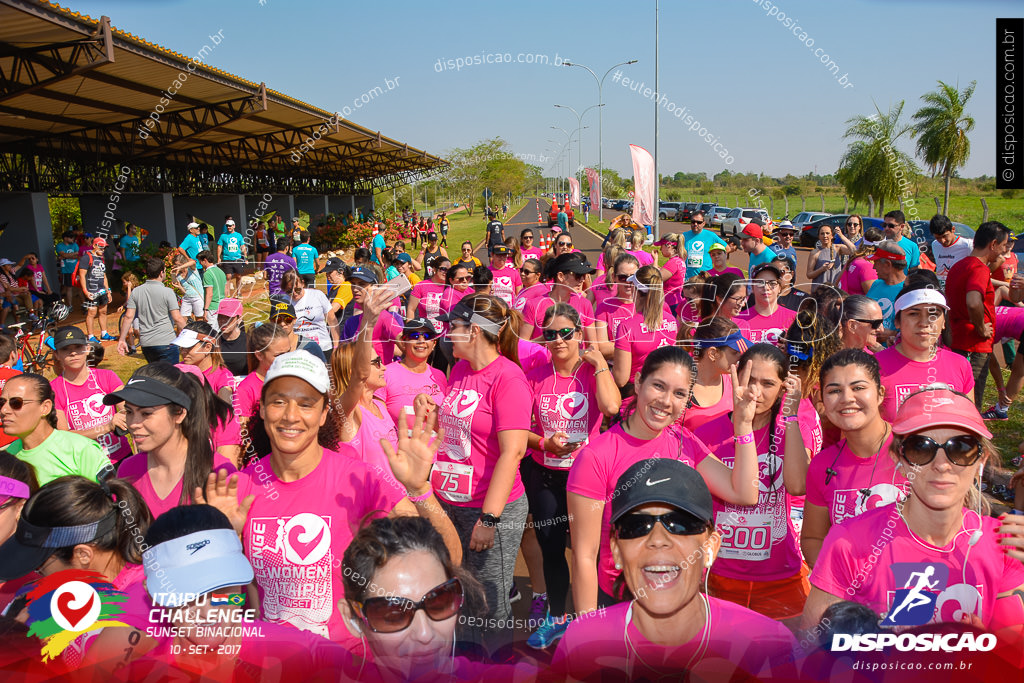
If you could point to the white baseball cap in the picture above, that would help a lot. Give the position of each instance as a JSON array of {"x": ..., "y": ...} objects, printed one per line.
[
  {"x": 229, "y": 222},
  {"x": 189, "y": 338},
  {"x": 301, "y": 364},
  {"x": 193, "y": 225},
  {"x": 917, "y": 297}
]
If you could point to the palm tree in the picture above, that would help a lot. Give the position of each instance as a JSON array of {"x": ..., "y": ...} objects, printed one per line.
[
  {"x": 871, "y": 164},
  {"x": 942, "y": 128}
]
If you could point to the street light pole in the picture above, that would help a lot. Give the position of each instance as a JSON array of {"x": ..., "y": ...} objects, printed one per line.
[
  {"x": 579, "y": 135},
  {"x": 600, "y": 125}
]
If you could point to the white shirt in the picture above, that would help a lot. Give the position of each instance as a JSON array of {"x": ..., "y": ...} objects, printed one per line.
[
  {"x": 946, "y": 257},
  {"x": 311, "y": 317}
]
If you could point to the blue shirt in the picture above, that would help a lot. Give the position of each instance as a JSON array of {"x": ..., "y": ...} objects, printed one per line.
[
  {"x": 378, "y": 243},
  {"x": 766, "y": 256},
  {"x": 563, "y": 220},
  {"x": 912, "y": 251},
  {"x": 788, "y": 253},
  {"x": 305, "y": 256},
  {"x": 130, "y": 245},
  {"x": 68, "y": 255},
  {"x": 697, "y": 257},
  {"x": 886, "y": 295},
  {"x": 192, "y": 245},
  {"x": 204, "y": 239},
  {"x": 231, "y": 246}
]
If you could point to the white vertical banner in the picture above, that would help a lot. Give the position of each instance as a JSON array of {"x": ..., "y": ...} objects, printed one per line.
[
  {"x": 574, "y": 191},
  {"x": 643, "y": 182}
]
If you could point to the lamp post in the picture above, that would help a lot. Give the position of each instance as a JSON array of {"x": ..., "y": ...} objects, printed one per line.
[
  {"x": 600, "y": 124},
  {"x": 579, "y": 136},
  {"x": 568, "y": 143}
]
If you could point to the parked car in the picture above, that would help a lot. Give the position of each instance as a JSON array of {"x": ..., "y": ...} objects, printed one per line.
[
  {"x": 737, "y": 219},
  {"x": 685, "y": 211},
  {"x": 805, "y": 217},
  {"x": 809, "y": 232},
  {"x": 668, "y": 210},
  {"x": 716, "y": 216}
]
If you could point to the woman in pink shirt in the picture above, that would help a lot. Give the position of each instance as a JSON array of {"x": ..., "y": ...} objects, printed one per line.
[
  {"x": 571, "y": 397},
  {"x": 615, "y": 309},
  {"x": 717, "y": 346},
  {"x": 766, "y": 320},
  {"x": 856, "y": 474},
  {"x": 664, "y": 540},
  {"x": 673, "y": 272},
  {"x": 651, "y": 327},
  {"x": 528, "y": 246},
  {"x": 720, "y": 262},
  {"x": 647, "y": 433},
  {"x": 426, "y": 295},
  {"x": 859, "y": 274},
  {"x": 412, "y": 375},
  {"x": 78, "y": 395},
  {"x": 171, "y": 429},
  {"x": 859, "y": 323},
  {"x": 486, "y": 419},
  {"x": 459, "y": 281},
  {"x": 938, "y": 540},
  {"x": 759, "y": 565},
  {"x": 199, "y": 345},
  {"x": 917, "y": 358},
  {"x": 567, "y": 273}
]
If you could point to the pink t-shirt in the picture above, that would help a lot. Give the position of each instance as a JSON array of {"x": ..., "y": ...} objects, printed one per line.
[
  {"x": 760, "y": 540},
  {"x": 533, "y": 252},
  {"x": 902, "y": 376},
  {"x": 532, "y": 355},
  {"x": 597, "y": 469},
  {"x": 538, "y": 306},
  {"x": 525, "y": 295},
  {"x": 372, "y": 430},
  {"x": 401, "y": 385},
  {"x": 226, "y": 433},
  {"x": 842, "y": 495},
  {"x": 874, "y": 557},
  {"x": 855, "y": 275},
  {"x": 506, "y": 283},
  {"x": 766, "y": 328},
  {"x": 674, "y": 285},
  {"x": 247, "y": 395},
  {"x": 1009, "y": 323},
  {"x": 564, "y": 404},
  {"x": 688, "y": 311},
  {"x": 297, "y": 532},
  {"x": 429, "y": 295},
  {"x": 634, "y": 336},
  {"x": 645, "y": 258},
  {"x": 741, "y": 645},
  {"x": 219, "y": 378},
  {"x": 478, "y": 406},
  {"x": 728, "y": 269},
  {"x": 612, "y": 312},
  {"x": 135, "y": 469},
  {"x": 83, "y": 406},
  {"x": 695, "y": 415}
]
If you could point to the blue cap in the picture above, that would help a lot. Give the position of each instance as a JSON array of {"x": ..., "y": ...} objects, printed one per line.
[
  {"x": 364, "y": 274},
  {"x": 735, "y": 341},
  {"x": 403, "y": 258}
]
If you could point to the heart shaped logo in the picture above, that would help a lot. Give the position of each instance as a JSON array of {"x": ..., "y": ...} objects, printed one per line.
[
  {"x": 307, "y": 539},
  {"x": 75, "y": 606},
  {"x": 573, "y": 405},
  {"x": 299, "y": 547},
  {"x": 465, "y": 403}
]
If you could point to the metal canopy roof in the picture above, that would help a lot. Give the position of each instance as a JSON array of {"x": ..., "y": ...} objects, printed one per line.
[{"x": 75, "y": 94}]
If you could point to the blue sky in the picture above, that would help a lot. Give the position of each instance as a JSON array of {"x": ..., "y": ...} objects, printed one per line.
[{"x": 756, "y": 87}]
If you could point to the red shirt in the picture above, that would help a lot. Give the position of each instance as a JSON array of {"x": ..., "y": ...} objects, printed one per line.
[
  {"x": 969, "y": 275},
  {"x": 5, "y": 374}
]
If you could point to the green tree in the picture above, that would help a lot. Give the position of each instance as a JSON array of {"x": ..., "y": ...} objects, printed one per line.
[
  {"x": 871, "y": 164},
  {"x": 941, "y": 128}
]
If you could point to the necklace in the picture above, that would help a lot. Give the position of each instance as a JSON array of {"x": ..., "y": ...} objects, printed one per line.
[{"x": 702, "y": 644}]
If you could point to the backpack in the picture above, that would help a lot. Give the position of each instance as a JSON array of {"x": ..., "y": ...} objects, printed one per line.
[{"x": 75, "y": 282}]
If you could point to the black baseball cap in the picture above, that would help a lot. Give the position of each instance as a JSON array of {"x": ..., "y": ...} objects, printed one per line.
[
  {"x": 31, "y": 545},
  {"x": 333, "y": 264},
  {"x": 281, "y": 306},
  {"x": 69, "y": 335},
  {"x": 572, "y": 263},
  {"x": 662, "y": 480},
  {"x": 499, "y": 250},
  {"x": 364, "y": 274},
  {"x": 419, "y": 325},
  {"x": 147, "y": 392},
  {"x": 464, "y": 313}
]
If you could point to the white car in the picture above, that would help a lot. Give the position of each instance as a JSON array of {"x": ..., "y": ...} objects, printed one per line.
[
  {"x": 668, "y": 210},
  {"x": 805, "y": 217},
  {"x": 717, "y": 215},
  {"x": 737, "y": 219}
]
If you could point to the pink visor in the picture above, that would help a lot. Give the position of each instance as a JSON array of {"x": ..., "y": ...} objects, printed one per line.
[
  {"x": 938, "y": 407},
  {"x": 12, "y": 488}
]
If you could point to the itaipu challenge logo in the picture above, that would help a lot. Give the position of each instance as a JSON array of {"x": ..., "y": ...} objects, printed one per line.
[{"x": 67, "y": 604}]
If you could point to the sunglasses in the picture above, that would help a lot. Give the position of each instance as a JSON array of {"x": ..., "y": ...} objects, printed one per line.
[
  {"x": 391, "y": 615},
  {"x": 623, "y": 278},
  {"x": 677, "y": 523},
  {"x": 874, "y": 322},
  {"x": 527, "y": 237},
  {"x": 416, "y": 336},
  {"x": 696, "y": 222},
  {"x": 464, "y": 278},
  {"x": 443, "y": 269},
  {"x": 565, "y": 333},
  {"x": 564, "y": 244},
  {"x": 852, "y": 225},
  {"x": 962, "y": 450},
  {"x": 17, "y": 402},
  {"x": 526, "y": 271}
]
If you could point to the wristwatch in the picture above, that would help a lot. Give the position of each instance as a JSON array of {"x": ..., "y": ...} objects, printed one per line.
[{"x": 489, "y": 520}]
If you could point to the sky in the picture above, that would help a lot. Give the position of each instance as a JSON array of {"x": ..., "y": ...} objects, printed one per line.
[{"x": 748, "y": 73}]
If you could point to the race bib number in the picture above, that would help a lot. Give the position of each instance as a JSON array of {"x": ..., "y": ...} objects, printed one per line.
[
  {"x": 453, "y": 481},
  {"x": 553, "y": 461},
  {"x": 695, "y": 255},
  {"x": 746, "y": 536}
]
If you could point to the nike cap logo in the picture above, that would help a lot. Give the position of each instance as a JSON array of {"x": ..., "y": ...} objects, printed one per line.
[{"x": 660, "y": 481}]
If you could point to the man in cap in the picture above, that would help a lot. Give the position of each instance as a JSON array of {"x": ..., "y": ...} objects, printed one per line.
[
  {"x": 156, "y": 308},
  {"x": 388, "y": 328},
  {"x": 784, "y": 246},
  {"x": 752, "y": 242},
  {"x": 231, "y": 254},
  {"x": 192, "y": 244},
  {"x": 282, "y": 314},
  {"x": 339, "y": 291},
  {"x": 890, "y": 262},
  {"x": 92, "y": 279}
]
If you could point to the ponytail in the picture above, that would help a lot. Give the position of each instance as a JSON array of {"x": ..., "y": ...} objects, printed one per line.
[{"x": 651, "y": 303}]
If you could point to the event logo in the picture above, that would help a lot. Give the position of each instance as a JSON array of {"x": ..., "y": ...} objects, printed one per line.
[
  {"x": 465, "y": 403},
  {"x": 573, "y": 406},
  {"x": 65, "y": 605},
  {"x": 307, "y": 539}
]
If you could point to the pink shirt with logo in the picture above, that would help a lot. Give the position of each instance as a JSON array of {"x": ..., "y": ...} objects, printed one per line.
[
  {"x": 613, "y": 311},
  {"x": 634, "y": 336},
  {"x": 83, "y": 407},
  {"x": 741, "y": 645},
  {"x": 766, "y": 328},
  {"x": 535, "y": 309},
  {"x": 478, "y": 405},
  {"x": 506, "y": 283},
  {"x": 843, "y": 494},
  {"x": 135, "y": 469},
  {"x": 674, "y": 285},
  {"x": 596, "y": 471},
  {"x": 1009, "y": 323},
  {"x": 533, "y": 252},
  {"x": 855, "y": 275},
  {"x": 430, "y": 295},
  {"x": 401, "y": 385},
  {"x": 870, "y": 557},
  {"x": 247, "y": 395},
  {"x": 902, "y": 376},
  {"x": 564, "y": 404},
  {"x": 758, "y": 541},
  {"x": 297, "y": 532},
  {"x": 529, "y": 293}
]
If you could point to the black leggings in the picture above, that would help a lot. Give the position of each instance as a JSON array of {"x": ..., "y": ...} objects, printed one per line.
[{"x": 545, "y": 489}]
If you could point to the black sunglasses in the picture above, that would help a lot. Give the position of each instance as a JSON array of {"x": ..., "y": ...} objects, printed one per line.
[
  {"x": 622, "y": 278},
  {"x": 526, "y": 271},
  {"x": 962, "y": 450},
  {"x": 874, "y": 322},
  {"x": 677, "y": 523},
  {"x": 696, "y": 222},
  {"x": 565, "y": 244},
  {"x": 17, "y": 402},
  {"x": 391, "y": 615},
  {"x": 565, "y": 333}
]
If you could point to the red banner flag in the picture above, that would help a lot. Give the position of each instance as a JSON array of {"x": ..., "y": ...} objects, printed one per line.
[
  {"x": 643, "y": 182},
  {"x": 574, "y": 192},
  {"x": 594, "y": 180}
]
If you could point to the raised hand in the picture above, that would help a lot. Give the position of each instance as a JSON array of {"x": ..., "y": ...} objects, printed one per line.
[
  {"x": 412, "y": 461},
  {"x": 744, "y": 399},
  {"x": 794, "y": 393},
  {"x": 222, "y": 493}
]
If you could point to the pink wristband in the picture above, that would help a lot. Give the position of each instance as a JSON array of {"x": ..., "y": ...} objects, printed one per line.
[
  {"x": 746, "y": 438},
  {"x": 420, "y": 498},
  {"x": 541, "y": 444}
]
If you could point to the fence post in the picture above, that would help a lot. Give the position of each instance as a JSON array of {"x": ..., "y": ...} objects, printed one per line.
[
  {"x": 787, "y": 205},
  {"x": 938, "y": 205},
  {"x": 984, "y": 211},
  {"x": 803, "y": 203},
  {"x": 823, "y": 203},
  {"x": 771, "y": 206},
  {"x": 900, "y": 198},
  {"x": 736, "y": 201},
  {"x": 846, "y": 205},
  {"x": 871, "y": 206}
]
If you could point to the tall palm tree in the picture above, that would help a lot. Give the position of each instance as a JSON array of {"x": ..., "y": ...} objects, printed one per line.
[
  {"x": 941, "y": 130},
  {"x": 871, "y": 164}
]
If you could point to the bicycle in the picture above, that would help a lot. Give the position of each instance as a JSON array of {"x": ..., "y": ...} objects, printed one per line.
[{"x": 38, "y": 356}]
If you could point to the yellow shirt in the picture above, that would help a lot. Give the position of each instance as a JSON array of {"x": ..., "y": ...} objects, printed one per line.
[{"x": 343, "y": 295}]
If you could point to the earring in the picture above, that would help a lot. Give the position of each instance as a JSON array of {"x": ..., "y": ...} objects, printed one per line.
[{"x": 618, "y": 565}]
